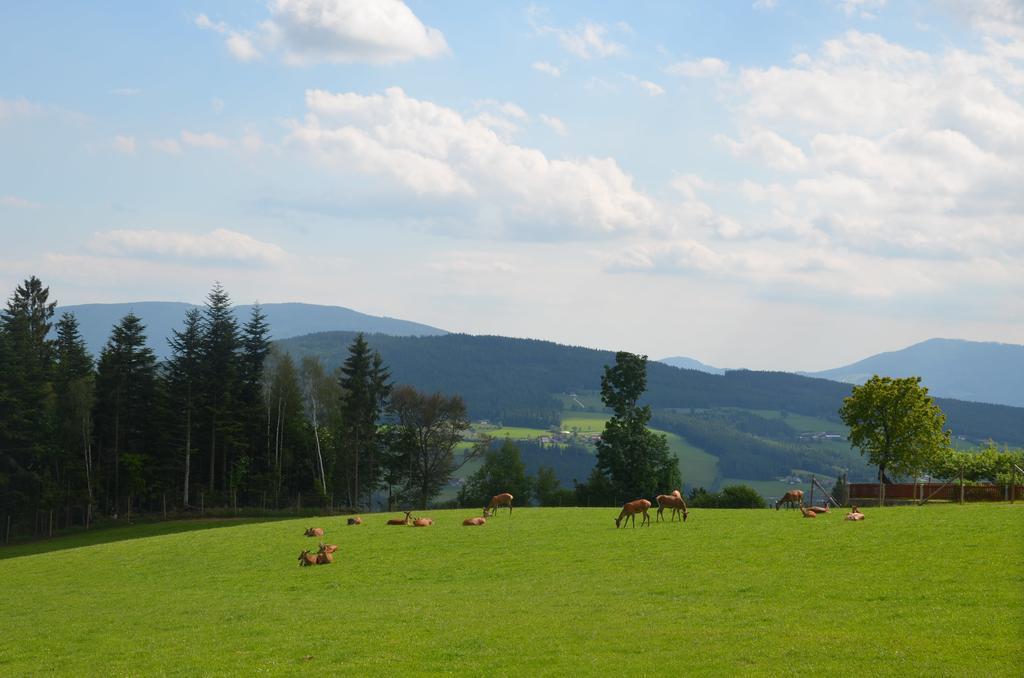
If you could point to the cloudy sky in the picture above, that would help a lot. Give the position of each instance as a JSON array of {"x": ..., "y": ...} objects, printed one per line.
[{"x": 775, "y": 184}]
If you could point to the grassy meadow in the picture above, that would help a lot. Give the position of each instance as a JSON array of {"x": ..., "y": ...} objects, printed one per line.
[{"x": 932, "y": 590}]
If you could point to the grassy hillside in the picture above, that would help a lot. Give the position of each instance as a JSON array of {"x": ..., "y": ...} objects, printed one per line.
[{"x": 910, "y": 591}]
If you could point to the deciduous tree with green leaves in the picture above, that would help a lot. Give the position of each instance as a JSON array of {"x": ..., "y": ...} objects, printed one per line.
[
  {"x": 635, "y": 459},
  {"x": 896, "y": 424}
]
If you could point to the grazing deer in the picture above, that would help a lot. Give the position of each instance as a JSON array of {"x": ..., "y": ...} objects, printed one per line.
[
  {"x": 497, "y": 501},
  {"x": 673, "y": 501},
  {"x": 422, "y": 522},
  {"x": 475, "y": 521},
  {"x": 402, "y": 521},
  {"x": 854, "y": 514},
  {"x": 807, "y": 512},
  {"x": 791, "y": 497},
  {"x": 631, "y": 508},
  {"x": 327, "y": 548},
  {"x": 355, "y": 521},
  {"x": 315, "y": 532}
]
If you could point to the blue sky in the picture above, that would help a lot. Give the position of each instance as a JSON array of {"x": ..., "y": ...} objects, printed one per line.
[{"x": 770, "y": 184}]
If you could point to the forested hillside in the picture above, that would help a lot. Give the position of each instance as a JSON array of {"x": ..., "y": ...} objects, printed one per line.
[{"x": 515, "y": 381}]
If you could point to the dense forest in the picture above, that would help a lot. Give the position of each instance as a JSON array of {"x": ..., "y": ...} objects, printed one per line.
[
  {"x": 514, "y": 381},
  {"x": 225, "y": 420}
]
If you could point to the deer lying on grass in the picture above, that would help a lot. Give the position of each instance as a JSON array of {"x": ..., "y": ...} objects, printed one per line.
[
  {"x": 673, "y": 501},
  {"x": 422, "y": 522},
  {"x": 818, "y": 509},
  {"x": 854, "y": 514},
  {"x": 497, "y": 501},
  {"x": 791, "y": 497},
  {"x": 306, "y": 558},
  {"x": 807, "y": 512},
  {"x": 475, "y": 521},
  {"x": 355, "y": 521},
  {"x": 402, "y": 521},
  {"x": 315, "y": 532},
  {"x": 631, "y": 508},
  {"x": 327, "y": 548}
]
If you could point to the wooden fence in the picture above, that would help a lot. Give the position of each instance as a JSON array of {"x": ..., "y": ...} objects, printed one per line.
[{"x": 934, "y": 491}]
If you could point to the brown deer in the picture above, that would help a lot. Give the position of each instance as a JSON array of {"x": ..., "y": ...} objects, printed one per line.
[
  {"x": 791, "y": 497},
  {"x": 307, "y": 558},
  {"x": 497, "y": 501},
  {"x": 422, "y": 522},
  {"x": 631, "y": 508},
  {"x": 355, "y": 521},
  {"x": 328, "y": 548},
  {"x": 324, "y": 558},
  {"x": 807, "y": 512},
  {"x": 402, "y": 521},
  {"x": 478, "y": 521},
  {"x": 673, "y": 501},
  {"x": 315, "y": 532},
  {"x": 854, "y": 514},
  {"x": 818, "y": 509}
]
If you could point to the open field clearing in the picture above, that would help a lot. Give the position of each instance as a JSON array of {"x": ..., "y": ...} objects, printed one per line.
[{"x": 909, "y": 591}]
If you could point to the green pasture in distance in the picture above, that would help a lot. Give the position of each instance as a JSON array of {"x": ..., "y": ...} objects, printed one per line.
[
  {"x": 697, "y": 467},
  {"x": 911, "y": 591},
  {"x": 584, "y": 422},
  {"x": 513, "y": 432},
  {"x": 802, "y": 422}
]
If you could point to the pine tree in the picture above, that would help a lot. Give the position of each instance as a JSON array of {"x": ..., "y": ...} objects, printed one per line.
[
  {"x": 184, "y": 375},
  {"x": 125, "y": 395},
  {"x": 221, "y": 380},
  {"x": 364, "y": 392},
  {"x": 255, "y": 347},
  {"x": 27, "y": 407},
  {"x": 74, "y": 384}
]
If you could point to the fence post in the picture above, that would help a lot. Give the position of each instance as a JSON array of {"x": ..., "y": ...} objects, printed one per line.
[{"x": 811, "y": 500}]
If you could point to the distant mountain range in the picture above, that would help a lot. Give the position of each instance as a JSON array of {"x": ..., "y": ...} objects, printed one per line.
[
  {"x": 286, "y": 320},
  {"x": 684, "y": 363},
  {"x": 952, "y": 368}
]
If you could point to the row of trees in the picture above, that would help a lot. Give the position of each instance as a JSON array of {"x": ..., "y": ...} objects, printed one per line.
[{"x": 225, "y": 419}]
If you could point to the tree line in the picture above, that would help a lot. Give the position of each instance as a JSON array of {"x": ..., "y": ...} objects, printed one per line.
[{"x": 226, "y": 420}]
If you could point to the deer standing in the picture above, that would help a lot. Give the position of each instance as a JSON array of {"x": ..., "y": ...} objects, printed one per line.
[
  {"x": 673, "y": 501},
  {"x": 631, "y": 508},
  {"x": 498, "y": 500},
  {"x": 791, "y": 497},
  {"x": 402, "y": 521}
]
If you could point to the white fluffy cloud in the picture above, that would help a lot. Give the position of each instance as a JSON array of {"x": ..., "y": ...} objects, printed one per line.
[
  {"x": 767, "y": 147},
  {"x": 124, "y": 144},
  {"x": 555, "y": 124},
  {"x": 335, "y": 31},
  {"x": 436, "y": 152},
  {"x": 221, "y": 245},
  {"x": 587, "y": 40}
]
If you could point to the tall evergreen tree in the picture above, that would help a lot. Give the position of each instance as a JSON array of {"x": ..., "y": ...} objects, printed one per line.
[
  {"x": 26, "y": 399},
  {"x": 221, "y": 381},
  {"x": 634, "y": 458},
  {"x": 255, "y": 347},
  {"x": 184, "y": 379},
  {"x": 364, "y": 392},
  {"x": 125, "y": 395},
  {"x": 74, "y": 385}
]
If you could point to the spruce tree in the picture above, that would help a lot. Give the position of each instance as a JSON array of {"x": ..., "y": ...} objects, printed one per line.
[
  {"x": 184, "y": 375},
  {"x": 125, "y": 398},
  {"x": 221, "y": 385},
  {"x": 364, "y": 392},
  {"x": 74, "y": 384}
]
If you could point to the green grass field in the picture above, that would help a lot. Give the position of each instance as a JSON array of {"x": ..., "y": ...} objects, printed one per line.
[{"x": 932, "y": 590}]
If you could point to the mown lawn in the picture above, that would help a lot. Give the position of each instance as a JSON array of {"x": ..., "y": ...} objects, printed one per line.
[{"x": 933, "y": 590}]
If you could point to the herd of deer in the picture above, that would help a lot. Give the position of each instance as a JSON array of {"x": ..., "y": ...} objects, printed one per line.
[
  {"x": 324, "y": 557},
  {"x": 797, "y": 497},
  {"x": 673, "y": 501}
]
